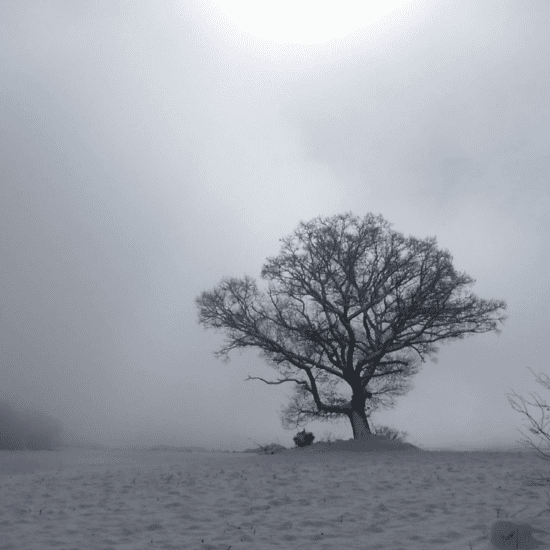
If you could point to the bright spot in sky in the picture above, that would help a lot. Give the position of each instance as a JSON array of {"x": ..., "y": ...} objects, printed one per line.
[{"x": 304, "y": 22}]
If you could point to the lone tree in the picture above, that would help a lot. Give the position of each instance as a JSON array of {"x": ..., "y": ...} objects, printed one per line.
[{"x": 348, "y": 300}]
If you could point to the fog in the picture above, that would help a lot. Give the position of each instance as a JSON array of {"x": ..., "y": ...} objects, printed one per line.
[{"x": 147, "y": 152}]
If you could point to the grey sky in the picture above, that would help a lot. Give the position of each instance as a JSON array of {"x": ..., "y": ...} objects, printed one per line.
[{"x": 145, "y": 155}]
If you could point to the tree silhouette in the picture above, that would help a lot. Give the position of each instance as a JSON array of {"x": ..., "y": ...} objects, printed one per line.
[
  {"x": 352, "y": 301},
  {"x": 541, "y": 427}
]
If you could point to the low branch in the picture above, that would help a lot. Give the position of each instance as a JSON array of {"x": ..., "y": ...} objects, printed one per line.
[{"x": 278, "y": 382}]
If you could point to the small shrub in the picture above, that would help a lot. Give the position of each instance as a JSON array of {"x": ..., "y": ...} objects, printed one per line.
[
  {"x": 303, "y": 438},
  {"x": 389, "y": 433}
]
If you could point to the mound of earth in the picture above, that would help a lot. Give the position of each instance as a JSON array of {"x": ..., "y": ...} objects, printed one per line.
[{"x": 375, "y": 443}]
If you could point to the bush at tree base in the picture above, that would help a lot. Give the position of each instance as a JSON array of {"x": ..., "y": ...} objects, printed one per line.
[
  {"x": 389, "y": 433},
  {"x": 303, "y": 438}
]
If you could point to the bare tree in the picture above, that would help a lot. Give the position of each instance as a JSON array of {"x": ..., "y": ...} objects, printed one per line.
[
  {"x": 352, "y": 301},
  {"x": 542, "y": 427}
]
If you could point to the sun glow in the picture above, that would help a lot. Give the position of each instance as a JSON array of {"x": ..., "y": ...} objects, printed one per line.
[{"x": 303, "y": 22}]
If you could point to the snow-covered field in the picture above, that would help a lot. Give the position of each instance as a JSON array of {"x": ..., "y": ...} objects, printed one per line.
[{"x": 334, "y": 500}]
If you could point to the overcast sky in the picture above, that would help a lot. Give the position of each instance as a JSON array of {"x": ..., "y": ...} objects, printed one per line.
[{"x": 148, "y": 150}]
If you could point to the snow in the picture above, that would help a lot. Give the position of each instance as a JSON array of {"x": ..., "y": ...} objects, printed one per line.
[{"x": 399, "y": 499}]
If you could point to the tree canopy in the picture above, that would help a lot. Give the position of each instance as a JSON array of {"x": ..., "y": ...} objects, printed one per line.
[{"x": 348, "y": 300}]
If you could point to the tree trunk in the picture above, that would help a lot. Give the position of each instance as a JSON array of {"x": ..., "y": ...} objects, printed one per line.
[
  {"x": 358, "y": 417},
  {"x": 360, "y": 426}
]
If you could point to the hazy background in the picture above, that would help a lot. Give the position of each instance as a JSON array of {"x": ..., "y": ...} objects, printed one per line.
[{"x": 146, "y": 154}]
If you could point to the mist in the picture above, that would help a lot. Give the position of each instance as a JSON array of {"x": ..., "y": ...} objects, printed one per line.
[{"x": 145, "y": 154}]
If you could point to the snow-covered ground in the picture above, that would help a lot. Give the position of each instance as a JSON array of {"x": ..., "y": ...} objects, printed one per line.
[{"x": 332, "y": 500}]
